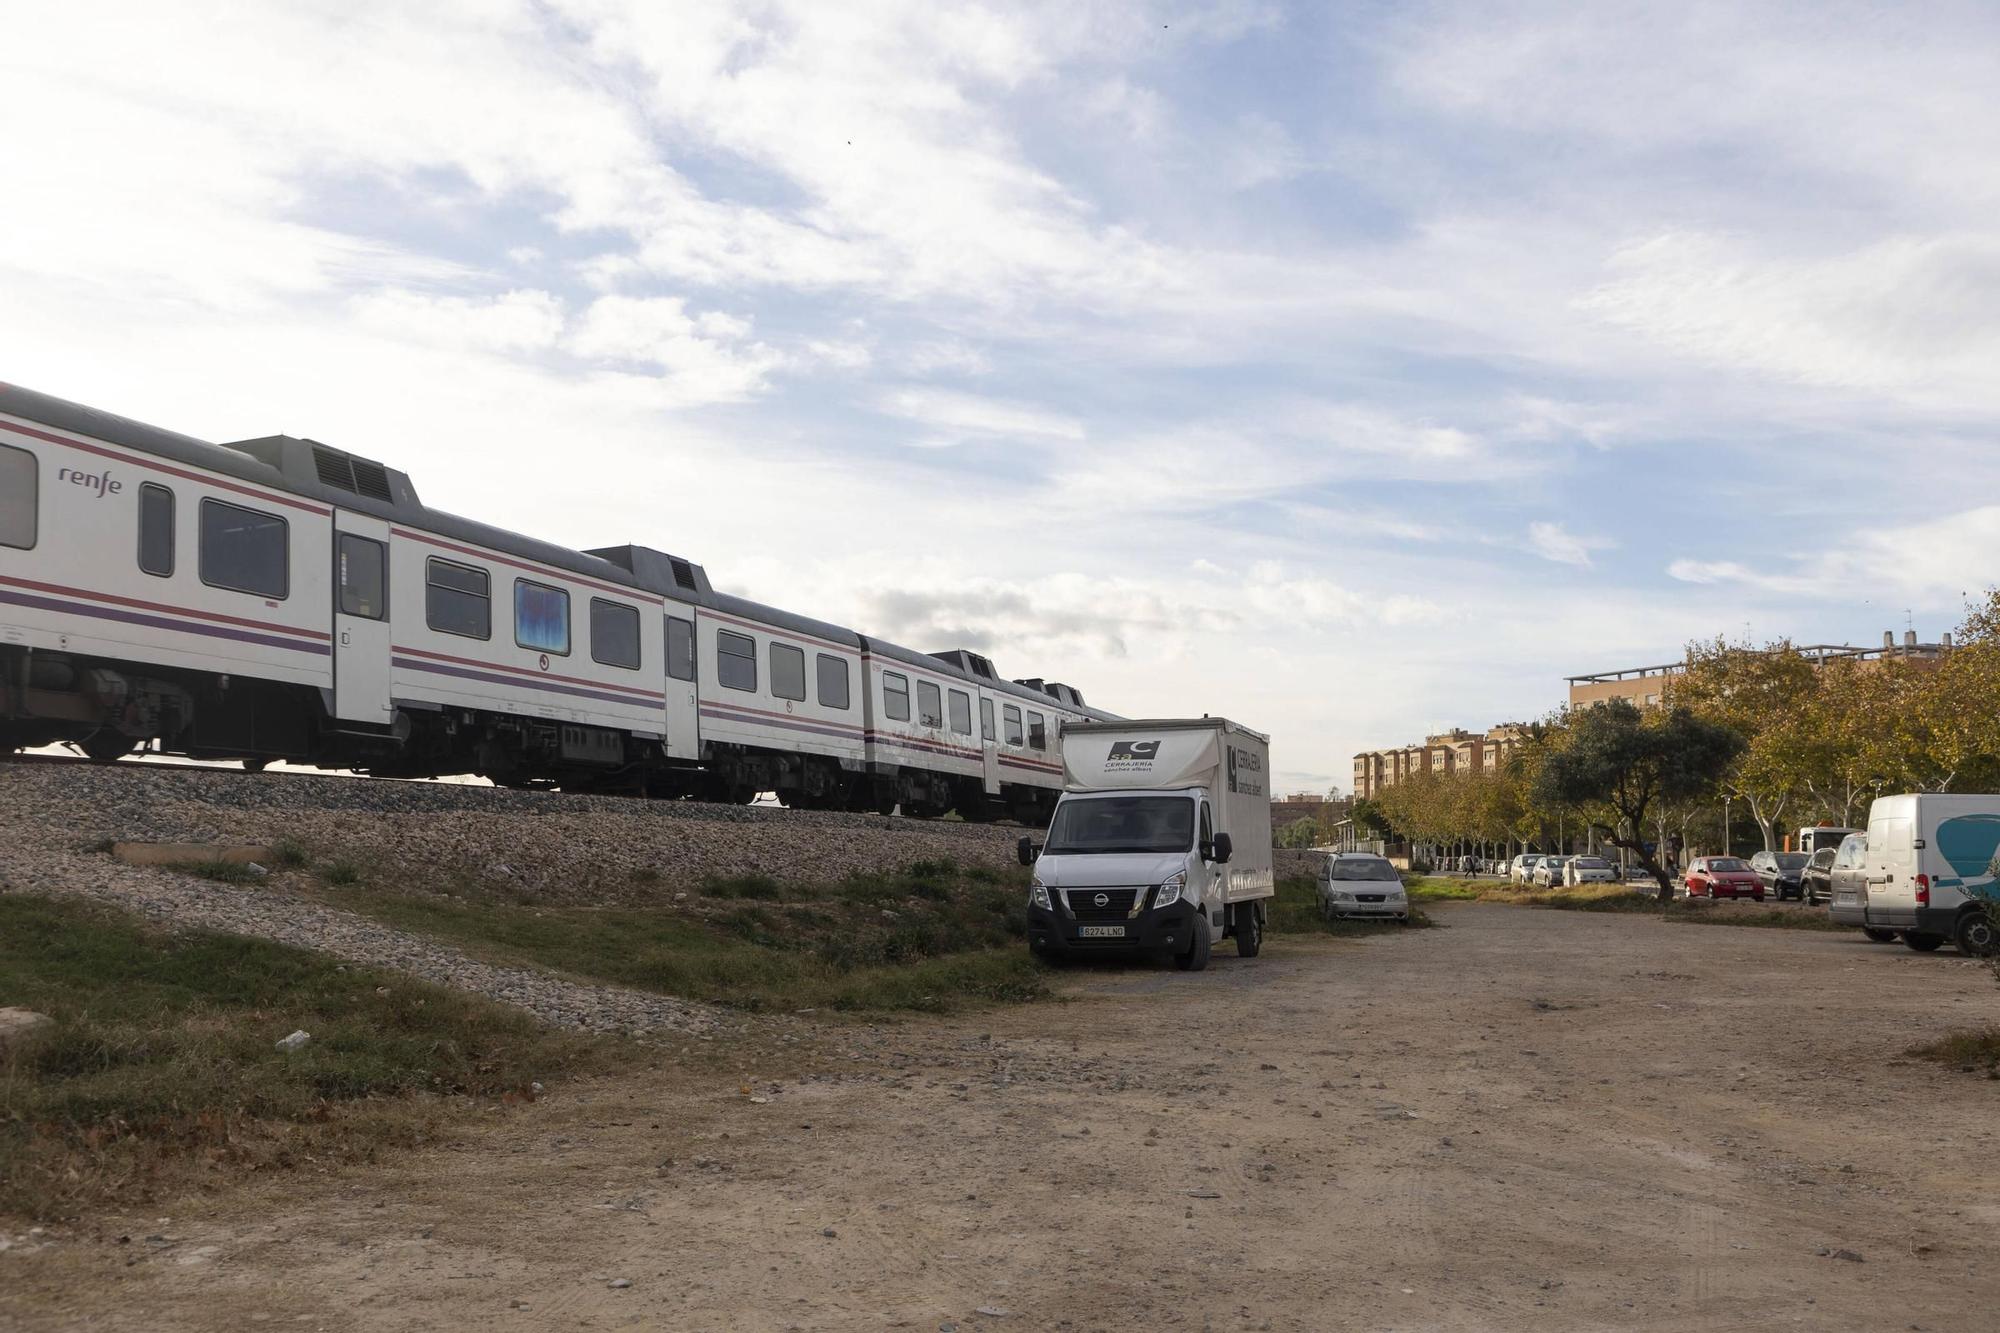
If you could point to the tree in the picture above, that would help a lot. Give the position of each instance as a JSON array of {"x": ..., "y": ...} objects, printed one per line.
[
  {"x": 1367, "y": 816},
  {"x": 1761, "y": 694},
  {"x": 1625, "y": 762},
  {"x": 1301, "y": 834}
]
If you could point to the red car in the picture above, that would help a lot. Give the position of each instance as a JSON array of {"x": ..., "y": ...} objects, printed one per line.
[{"x": 1723, "y": 877}]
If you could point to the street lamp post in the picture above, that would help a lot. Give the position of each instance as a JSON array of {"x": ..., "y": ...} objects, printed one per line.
[{"x": 1725, "y": 824}]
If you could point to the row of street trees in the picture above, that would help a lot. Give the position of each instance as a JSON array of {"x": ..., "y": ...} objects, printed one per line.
[{"x": 1795, "y": 740}]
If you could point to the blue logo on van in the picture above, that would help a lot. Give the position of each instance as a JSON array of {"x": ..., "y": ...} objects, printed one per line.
[{"x": 1968, "y": 844}]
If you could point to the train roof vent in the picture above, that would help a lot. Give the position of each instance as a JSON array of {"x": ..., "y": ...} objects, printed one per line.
[
  {"x": 656, "y": 569},
  {"x": 335, "y": 469},
  {"x": 356, "y": 476},
  {"x": 1034, "y": 683},
  {"x": 1069, "y": 694},
  {"x": 969, "y": 662},
  {"x": 371, "y": 480}
]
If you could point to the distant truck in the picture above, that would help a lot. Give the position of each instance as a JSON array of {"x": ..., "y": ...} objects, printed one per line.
[
  {"x": 1160, "y": 842},
  {"x": 1820, "y": 836}
]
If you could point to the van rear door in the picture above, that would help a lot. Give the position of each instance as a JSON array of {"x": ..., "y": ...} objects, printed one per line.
[{"x": 1892, "y": 868}]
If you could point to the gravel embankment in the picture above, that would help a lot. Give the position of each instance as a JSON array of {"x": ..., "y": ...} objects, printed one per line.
[{"x": 551, "y": 847}]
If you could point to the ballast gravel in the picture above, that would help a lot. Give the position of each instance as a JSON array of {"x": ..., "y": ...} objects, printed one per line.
[{"x": 541, "y": 846}]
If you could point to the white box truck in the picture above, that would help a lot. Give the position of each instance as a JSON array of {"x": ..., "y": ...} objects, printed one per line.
[
  {"x": 1929, "y": 871},
  {"x": 1160, "y": 843}
]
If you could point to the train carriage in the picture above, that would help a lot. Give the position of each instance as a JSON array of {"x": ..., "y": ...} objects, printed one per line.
[{"x": 281, "y": 599}]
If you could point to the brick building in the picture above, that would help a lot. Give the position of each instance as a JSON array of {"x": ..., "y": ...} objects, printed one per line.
[{"x": 1455, "y": 751}]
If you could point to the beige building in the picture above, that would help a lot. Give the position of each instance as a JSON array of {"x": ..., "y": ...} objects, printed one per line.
[
  {"x": 1646, "y": 686},
  {"x": 1455, "y": 751}
]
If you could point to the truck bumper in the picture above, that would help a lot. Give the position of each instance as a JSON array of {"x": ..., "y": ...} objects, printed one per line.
[
  {"x": 1159, "y": 930},
  {"x": 1938, "y": 920}
]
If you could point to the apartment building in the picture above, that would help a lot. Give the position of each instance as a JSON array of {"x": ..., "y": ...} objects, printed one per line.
[{"x": 1455, "y": 751}]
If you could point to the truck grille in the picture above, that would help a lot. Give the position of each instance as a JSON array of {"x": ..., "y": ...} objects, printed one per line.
[
  {"x": 1369, "y": 897},
  {"x": 1115, "y": 904}
]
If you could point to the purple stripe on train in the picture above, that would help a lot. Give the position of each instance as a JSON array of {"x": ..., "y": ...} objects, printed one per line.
[
  {"x": 438, "y": 668},
  {"x": 160, "y": 622}
]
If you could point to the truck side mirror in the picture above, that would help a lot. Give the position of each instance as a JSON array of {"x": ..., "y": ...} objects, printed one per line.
[
  {"x": 1221, "y": 849},
  {"x": 1026, "y": 851}
]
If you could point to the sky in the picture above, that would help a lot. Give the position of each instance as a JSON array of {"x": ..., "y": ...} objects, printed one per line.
[{"x": 1353, "y": 370}]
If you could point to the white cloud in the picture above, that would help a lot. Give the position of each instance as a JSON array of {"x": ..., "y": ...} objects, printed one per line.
[
  {"x": 1552, "y": 541},
  {"x": 516, "y": 321},
  {"x": 1933, "y": 564},
  {"x": 954, "y": 415}
]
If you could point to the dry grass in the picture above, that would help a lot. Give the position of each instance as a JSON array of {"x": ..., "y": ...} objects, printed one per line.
[
  {"x": 160, "y": 1071},
  {"x": 933, "y": 937}
]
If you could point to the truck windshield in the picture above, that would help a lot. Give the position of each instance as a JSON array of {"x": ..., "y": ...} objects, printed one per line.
[{"x": 1122, "y": 824}]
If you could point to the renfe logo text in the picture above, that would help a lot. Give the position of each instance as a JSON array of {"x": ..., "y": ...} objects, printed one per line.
[{"x": 101, "y": 482}]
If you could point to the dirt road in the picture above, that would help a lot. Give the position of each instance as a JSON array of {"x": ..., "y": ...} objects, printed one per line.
[{"x": 1528, "y": 1119}]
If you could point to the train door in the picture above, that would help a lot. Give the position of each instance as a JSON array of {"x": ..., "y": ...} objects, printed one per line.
[
  {"x": 683, "y": 703},
  {"x": 361, "y": 619},
  {"x": 989, "y": 746}
]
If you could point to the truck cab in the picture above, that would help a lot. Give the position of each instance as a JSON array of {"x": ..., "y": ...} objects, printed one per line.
[{"x": 1160, "y": 844}]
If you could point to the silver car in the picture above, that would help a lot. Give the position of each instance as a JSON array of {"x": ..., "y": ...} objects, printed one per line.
[
  {"x": 1549, "y": 871},
  {"x": 1361, "y": 884}
]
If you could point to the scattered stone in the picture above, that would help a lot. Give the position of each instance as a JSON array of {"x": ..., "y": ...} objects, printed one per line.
[
  {"x": 992, "y": 1311},
  {"x": 1203, "y": 1194},
  {"x": 828, "y": 1232},
  {"x": 16, "y": 1023},
  {"x": 620, "y": 1283},
  {"x": 1851, "y": 1256},
  {"x": 295, "y": 1041}
]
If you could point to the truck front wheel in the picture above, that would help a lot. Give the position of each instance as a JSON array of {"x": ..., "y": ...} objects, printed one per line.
[
  {"x": 1196, "y": 957},
  {"x": 1249, "y": 931}
]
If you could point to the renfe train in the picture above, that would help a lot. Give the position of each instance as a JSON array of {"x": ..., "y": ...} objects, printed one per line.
[{"x": 277, "y": 599}]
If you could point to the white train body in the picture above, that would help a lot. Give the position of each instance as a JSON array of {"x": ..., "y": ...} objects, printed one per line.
[{"x": 278, "y": 599}]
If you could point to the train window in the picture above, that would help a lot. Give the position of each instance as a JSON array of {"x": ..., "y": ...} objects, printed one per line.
[
  {"x": 1013, "y": 717},
  {"x": 986, "y": 732},
  {"x": 457, "y": 599},
  {"x": 1038, "y": 734},
  {"x": 541, "y": 618},
  {"x": 20, "y": 490},
  {"x": 930, "y": 705},
  {"x": 680, "y": 648},
  {"x": 244, "y": 550},
  {"x": 735, "y": 660},
  {"x": 961, "y": 712},
  {"x": 832, "y": 681},
  {"x": 156, "y": 530},
  {"x": 614, "y": 634},
  {"x": 788, "y": 671},
  {"x": 363, "y": 574},
  {"x": 896, "y": 696}
]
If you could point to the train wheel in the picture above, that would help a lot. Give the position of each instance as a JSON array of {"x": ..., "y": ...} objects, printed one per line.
[{"x": 105, "y": 746}]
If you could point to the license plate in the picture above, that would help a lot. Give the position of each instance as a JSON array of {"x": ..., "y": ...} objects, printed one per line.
[{"x": 1101, "y": 932}]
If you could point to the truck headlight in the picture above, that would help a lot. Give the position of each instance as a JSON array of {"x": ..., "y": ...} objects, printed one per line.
[
  {"x": 1171, "y": 889},
  {"x": 1038, "y": 896}
]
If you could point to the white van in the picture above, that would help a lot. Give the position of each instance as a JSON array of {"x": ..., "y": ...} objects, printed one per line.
[
  {"x": 1161, "y": 842},
  {"x": 1930, "y": 869}
]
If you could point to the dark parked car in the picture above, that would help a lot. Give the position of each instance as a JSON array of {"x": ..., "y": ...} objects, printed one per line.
[
  {"x": 1780, "y": 872},
  {"x": 1816, "y": 880}
]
